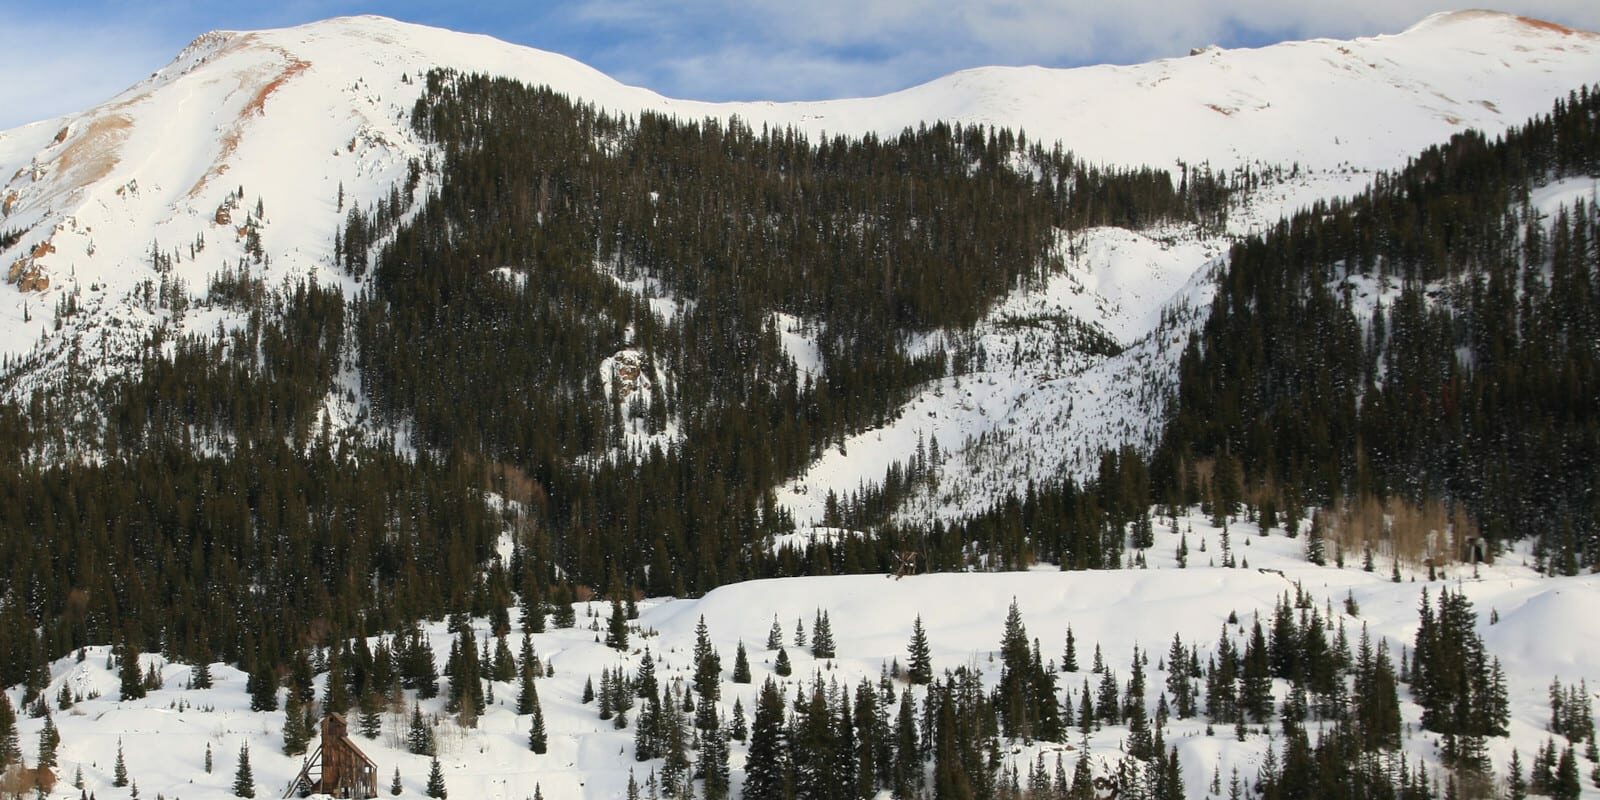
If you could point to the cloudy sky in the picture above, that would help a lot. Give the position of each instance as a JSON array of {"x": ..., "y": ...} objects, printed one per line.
[{"x": 66, "y": 56}]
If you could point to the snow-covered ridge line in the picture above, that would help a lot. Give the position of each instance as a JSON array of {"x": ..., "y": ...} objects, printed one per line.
[{"x": 292, "y": 115}]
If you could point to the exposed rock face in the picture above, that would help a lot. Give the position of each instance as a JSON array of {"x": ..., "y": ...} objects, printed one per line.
[
  {"x": 34, "y": 281},
  {"x": 26, "y": 272}
]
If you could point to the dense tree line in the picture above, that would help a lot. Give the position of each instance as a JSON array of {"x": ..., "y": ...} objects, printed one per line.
[
  {"x": 1476, "y": 382},
  {"x": 870, "y": 240},
  {"x": 221, "y": 517}
]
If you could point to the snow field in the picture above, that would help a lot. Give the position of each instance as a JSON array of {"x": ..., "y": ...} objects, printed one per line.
[{"x": 1546, "y": 629}]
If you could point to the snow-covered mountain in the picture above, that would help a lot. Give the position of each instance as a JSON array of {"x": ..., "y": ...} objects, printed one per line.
[{"x": 269, "y": 138}]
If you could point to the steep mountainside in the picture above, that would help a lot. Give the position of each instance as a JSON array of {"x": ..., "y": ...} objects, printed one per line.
[
  {"x": 290, "y": 116},
  {"x": 281, "y": 316}
]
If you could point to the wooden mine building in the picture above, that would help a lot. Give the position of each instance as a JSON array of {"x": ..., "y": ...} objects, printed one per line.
[{"x": 337, "y": 768}]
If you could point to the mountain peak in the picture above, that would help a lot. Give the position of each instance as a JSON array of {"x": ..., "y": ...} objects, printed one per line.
[
  {"x": 296, "y": 118},
  {"x": 1444, "y": 20}
]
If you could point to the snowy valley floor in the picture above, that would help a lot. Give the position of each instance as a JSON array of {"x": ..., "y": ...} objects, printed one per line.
[{"x": 1547, "y": 628}]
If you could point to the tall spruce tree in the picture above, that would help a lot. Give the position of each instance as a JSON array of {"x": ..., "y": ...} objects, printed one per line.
[
  {"x": 244, "y": 782},
  {"x": 296, "y": 735},
  {"x": 919, "y": 657},
  {"x": 130, "y": 676},
  {"x": 766, "y": 767},
  {"x": 436, "y": 788},
  {"x": 741, "y": 665},
  {"x": 10, "y": 752},
  {"x": 119, "y": 770},
  {"x": 538, "y": 741},
  {"x": 822, "y": 644}
]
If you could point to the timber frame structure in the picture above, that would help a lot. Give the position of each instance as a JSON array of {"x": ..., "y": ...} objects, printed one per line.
[{"x": 337, "y": 767}]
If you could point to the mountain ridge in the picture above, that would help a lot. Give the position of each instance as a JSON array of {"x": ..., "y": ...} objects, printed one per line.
[{"x": 277, "y": 97}]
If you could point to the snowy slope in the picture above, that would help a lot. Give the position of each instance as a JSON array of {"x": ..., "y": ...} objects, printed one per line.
[
  {"x": 1037, "y": 407},
  {"x": 275, "y": 134},
  {"x": 289, "y": 115},
  {"x": 1545, "y": 630}
]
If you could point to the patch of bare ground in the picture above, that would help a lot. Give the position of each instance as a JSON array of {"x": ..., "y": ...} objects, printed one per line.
[{"x": 93, "y": 152}]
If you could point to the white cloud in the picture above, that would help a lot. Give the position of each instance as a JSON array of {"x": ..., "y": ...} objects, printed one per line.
[
  {"x": 779, "y": 49},
  {"x": 729, "y": 49}
]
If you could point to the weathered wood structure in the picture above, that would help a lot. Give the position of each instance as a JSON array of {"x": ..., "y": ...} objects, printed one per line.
[{"x": 337, "y": 768}]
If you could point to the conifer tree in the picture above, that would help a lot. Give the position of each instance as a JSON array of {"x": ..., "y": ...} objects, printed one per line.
[
  {"x": 525, "y": 692},
  {"x": 822, "y": 644},
  {"x": 395, "y": 788},
  {"x": 199, "y": 677},
  {"x": 675, "y": 750},
  {"x": 505, "y": 665},
  {"x": 262, "y": 686},
  {"x": 741, "y": 665},
  {"x": 713, "y": 763},
  {"x": 617, "y": 627},
  {"x": 738, "y": 729},
  {"x": 436, "y": 788},
  {"x": 370, "y": 722},
  {"x": 244, "y": 783},
  {"x": 119, "y": 770},
  {"x": 1014, "y": 692},
  {"x": 645, "y": 681},
  {"x": 906, "y": 774},
  {"x": 537, "y": 740},
  {"x": 775, "y": 634},
  {"x": 419, "y": 736},
  {"x": 49, "y": 741},
  {"x": 1141, "y": 744},
  {"x": 295, "y": 733},
  {"x": 129, "y": 674},
  {"x": 781, "y": 665},
  {"x": 1069, "y": 658},
  {"x": 919, "y": 657},
  {"x": 336, "y": 696},
  {"x": 208, "y": 761},
  {"x": 767, "y": 765},
  {"x": 10, "y": 752},
  {"x": 707, "y": 664}
]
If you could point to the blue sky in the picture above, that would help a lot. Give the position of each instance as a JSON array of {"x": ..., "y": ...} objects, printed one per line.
[{"x": 67, "y": 56}]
